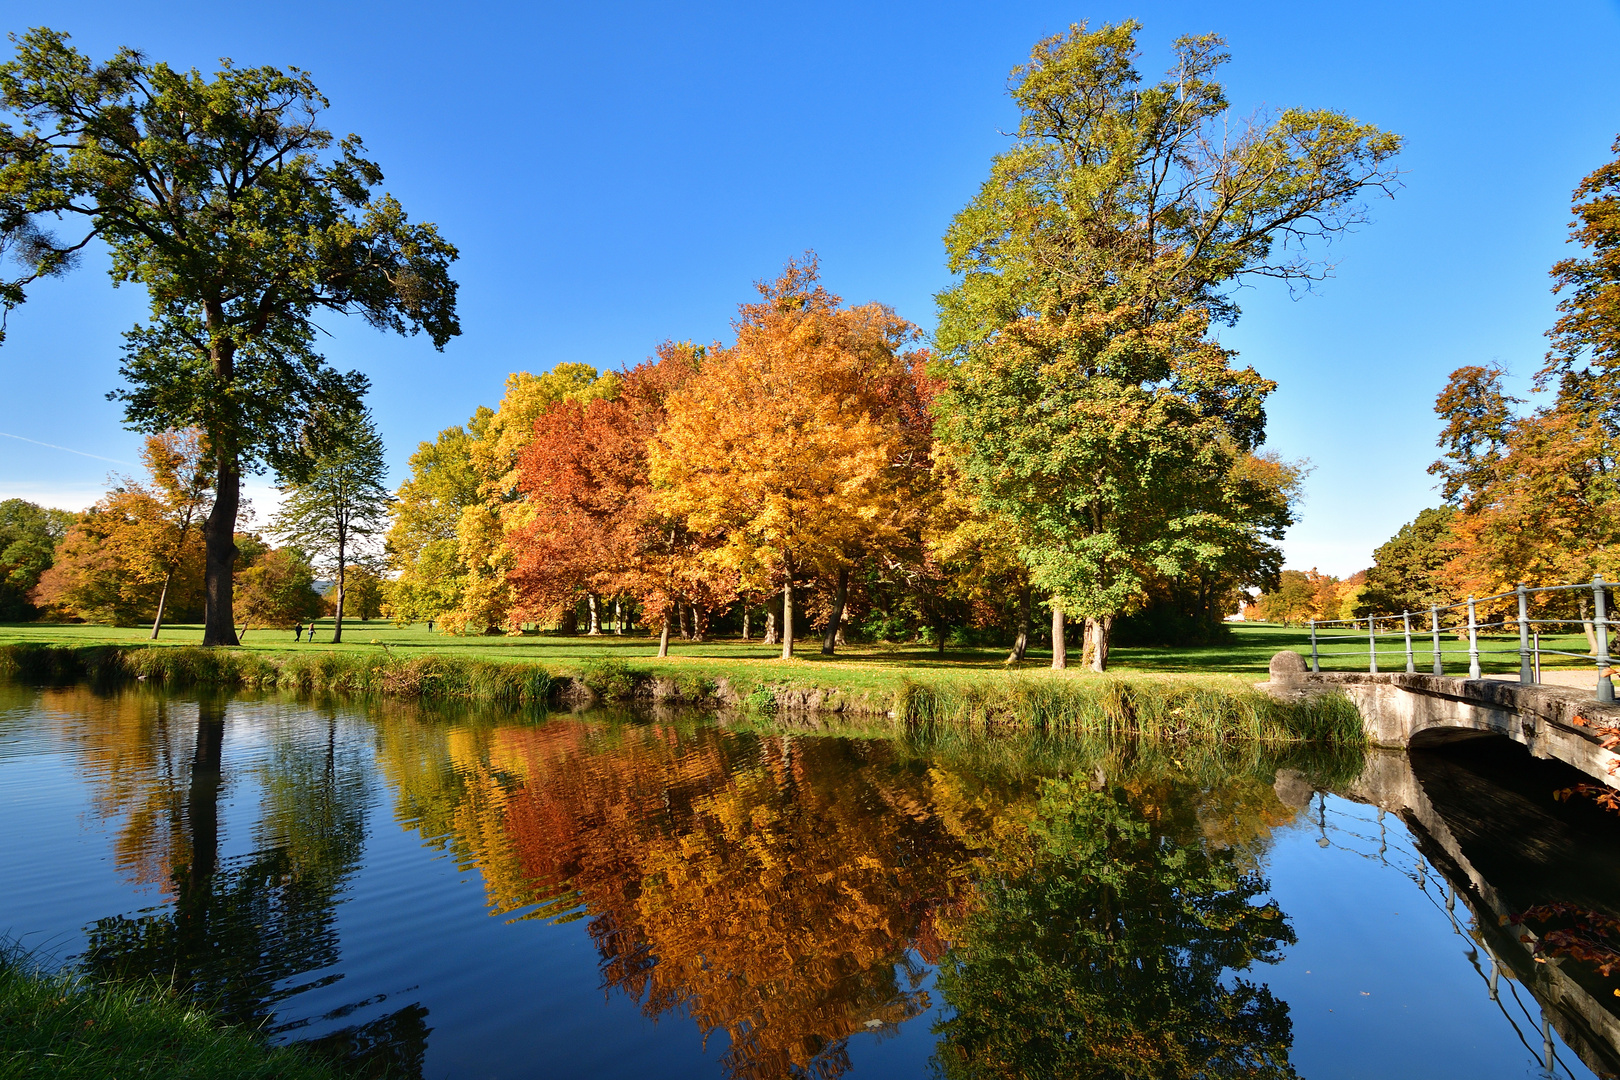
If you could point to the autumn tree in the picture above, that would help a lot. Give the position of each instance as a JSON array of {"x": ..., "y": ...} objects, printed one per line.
[
  {"x": 790, "y": 446},
  {"x": 182, "y": 485},
  {"x": 277, "y": 589},
  {"x": 342, "y": 502},
  {"x": 1586, "y": 337},
  {"x": 28, "y": 537},
  {"x": 500, "y": 436},
  {"x": 221, "y": 197},
  {"x": 421, "y": 542},
  {"x": 1091, "y": 405},
  {"x": 138, "y": 551},
  {"x": 592, "y": 523}
]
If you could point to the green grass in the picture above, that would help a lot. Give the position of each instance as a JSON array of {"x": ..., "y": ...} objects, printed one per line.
[
  {"x": 60, "y": 1026},
  {"x": 1203, "y": 692},
  {"x": 859, "y": 667}
]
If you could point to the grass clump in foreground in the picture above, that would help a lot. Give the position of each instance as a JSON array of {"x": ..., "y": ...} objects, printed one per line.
[{"x": 61, "y": 1026}]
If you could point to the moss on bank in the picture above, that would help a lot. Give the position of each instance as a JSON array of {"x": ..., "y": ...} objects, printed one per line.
[
  {"x": 1106, "y": 706},
  {"x": 60, "y": 1026}
]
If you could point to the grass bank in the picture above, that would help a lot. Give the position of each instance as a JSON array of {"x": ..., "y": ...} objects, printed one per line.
[
  {"x": 1072, "y": 703},
  {"x": 60, "y": 1026}
]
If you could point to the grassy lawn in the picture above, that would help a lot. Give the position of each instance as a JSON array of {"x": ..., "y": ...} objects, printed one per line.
[{"x": 857, "y": 667}]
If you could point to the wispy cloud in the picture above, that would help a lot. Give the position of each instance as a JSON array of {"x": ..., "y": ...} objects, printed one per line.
[{"x": 69, "y": 449}]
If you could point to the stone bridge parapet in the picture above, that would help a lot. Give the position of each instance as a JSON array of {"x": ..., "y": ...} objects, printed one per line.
[{"x": 1399, "y": 708}]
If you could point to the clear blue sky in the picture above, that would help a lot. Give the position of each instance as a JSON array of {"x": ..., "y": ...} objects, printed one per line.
[{"x": 618, "y": 174}]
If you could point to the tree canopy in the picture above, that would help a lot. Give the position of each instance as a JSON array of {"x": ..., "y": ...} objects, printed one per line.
[
  {"x": 221, "y": 196},
  {"x": 1089, "y": 401}
]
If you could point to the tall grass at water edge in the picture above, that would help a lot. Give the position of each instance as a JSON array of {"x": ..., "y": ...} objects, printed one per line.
[
  {"x": 68, "y": 1028},
  {"x": 431, "y": 676},
  {"x": 1133, "y": 706},
  {"x": 1137, "y": 707}
]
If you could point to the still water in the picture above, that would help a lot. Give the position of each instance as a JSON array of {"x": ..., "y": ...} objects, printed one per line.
[{"x": 482, "y": 895}]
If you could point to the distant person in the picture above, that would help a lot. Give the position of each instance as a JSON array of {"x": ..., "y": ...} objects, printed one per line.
[
  {"x": 430, "y": 626},
  {"x": 298, "y": 632}
]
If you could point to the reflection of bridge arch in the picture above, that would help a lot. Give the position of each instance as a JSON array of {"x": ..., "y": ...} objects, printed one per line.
[{"x": 1570, "y": 1002}]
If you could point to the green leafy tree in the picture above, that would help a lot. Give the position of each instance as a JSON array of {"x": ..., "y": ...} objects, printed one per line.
[
  {"x": 1406, "y": 571},
  {"x": 365, "y": 592},
  {"x": 341, "y": 504},
  {"x": 218, "y": 195},
  {"x": 1113, "y": 948},
  {"x": 1088, "y": 401},
  {"x": 29, "y": 534}
]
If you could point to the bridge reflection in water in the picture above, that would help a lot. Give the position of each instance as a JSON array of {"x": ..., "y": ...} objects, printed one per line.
[{"x": 1491, "y": 839}]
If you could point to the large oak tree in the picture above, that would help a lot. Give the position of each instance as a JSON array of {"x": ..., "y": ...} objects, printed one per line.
[
  {"x": 1086, "y": 397},
  {"x": 222, "y": 196}
]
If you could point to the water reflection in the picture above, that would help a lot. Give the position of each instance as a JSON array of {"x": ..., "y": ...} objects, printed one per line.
[
  {"x": 793, "y": 891},
  {"x": 242, "y": 934},
  {"x": 1038, "y": 908}
]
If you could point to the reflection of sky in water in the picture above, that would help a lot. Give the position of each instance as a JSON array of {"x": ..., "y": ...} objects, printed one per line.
[{"x": 1380, "y": 983}]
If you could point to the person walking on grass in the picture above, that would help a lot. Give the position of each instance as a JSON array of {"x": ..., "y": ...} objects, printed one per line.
[{"x": 298, "y": 632}]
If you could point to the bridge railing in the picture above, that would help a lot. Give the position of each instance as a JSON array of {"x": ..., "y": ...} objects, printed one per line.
[{"x": 1391, "y": 635}]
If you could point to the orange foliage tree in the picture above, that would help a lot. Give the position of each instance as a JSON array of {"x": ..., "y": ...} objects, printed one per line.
[
  {"x": 591, "y": 521},
  {"x": 139, "y": 549},
  {"x": 793, "y": 449}
]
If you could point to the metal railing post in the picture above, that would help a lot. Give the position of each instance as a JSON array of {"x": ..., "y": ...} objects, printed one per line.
[
  {"x": 1527, "y": 674},
  {"x": 1315, "y": 664},
  {"x": 1372, "y": 645},
  {"x": 1473, "y": 642},
  {"x": 1406, "y": 626},
  {"x": 1434, "y": 624},
  {"x": 1600, "y": 601}
]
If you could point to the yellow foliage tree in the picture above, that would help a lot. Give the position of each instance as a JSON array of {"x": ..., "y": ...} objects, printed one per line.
[{"x": 791, "y": 448}]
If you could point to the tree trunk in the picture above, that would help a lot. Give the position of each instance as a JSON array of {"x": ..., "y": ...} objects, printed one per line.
[
  {"x": 618, "y": 617},
  {"x": 747, "y": 614},
  {"x": 1588, "y": 626},
  {"x": 835, "y": 618},
  {"x": 337, "y": 625},
  {"x": 593, "y": 604},
  {"x": 787, "y": 618},
  {"x": 770, "y": 627},
  {"x": 243, "y": 633},
  {"x": 1060, "y": 653},
  {"x": 219, "y": 558},
  {"x": 1097, "y": 631},
  {"x": 680, "y": 613},
  {"x": 163, "y": 597},
  {"x": 1021, "y": 641},
  {"x": 700, "y": 623},
  {"x": 663, "y": 637}
]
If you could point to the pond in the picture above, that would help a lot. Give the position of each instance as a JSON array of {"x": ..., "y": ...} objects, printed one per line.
[{"x": 617, "y": 895}]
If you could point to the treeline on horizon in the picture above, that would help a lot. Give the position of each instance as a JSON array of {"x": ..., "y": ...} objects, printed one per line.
[{"x": 1072, "y": 442}]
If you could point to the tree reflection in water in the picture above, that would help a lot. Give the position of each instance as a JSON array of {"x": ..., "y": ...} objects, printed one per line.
[
  {"x": 784, "y": 891},
  {"x": 1107, "y": 946},
  {"x": 792, "y": 891},
  {"x": 242, "y": 935}
]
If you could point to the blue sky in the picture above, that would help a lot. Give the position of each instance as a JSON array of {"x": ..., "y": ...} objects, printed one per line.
[{"x": 619, "y": 174}]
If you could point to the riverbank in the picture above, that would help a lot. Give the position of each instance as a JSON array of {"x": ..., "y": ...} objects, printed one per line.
[
  {"x": 58, "y": 1026},
  {"x": 1207, "y": 707}
]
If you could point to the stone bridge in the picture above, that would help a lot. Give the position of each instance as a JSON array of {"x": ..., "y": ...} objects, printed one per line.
[{"x": 1403, "y": 710}]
